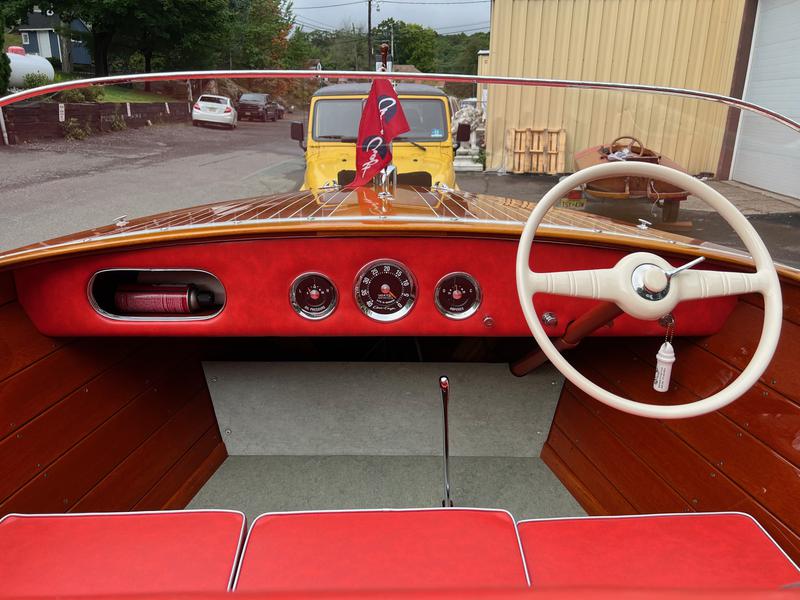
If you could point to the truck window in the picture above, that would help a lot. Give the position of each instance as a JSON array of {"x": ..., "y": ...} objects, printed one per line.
[{"x": 340, "y": 118}]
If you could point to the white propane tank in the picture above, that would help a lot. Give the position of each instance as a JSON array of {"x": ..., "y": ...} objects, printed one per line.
[{"x": 23, "y": 64}]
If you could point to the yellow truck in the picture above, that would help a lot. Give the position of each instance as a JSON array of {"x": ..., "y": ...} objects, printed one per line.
[{"x": 422, "y": 156}]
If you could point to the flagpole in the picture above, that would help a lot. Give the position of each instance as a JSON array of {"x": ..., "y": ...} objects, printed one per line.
[{"x": 390, "y": 169}]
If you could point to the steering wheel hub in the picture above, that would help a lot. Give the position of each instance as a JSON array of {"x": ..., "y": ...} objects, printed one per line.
[{"x": 650, "y": 282}]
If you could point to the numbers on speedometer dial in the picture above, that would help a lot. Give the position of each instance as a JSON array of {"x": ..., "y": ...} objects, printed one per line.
[
  {"x": 385, "y": 290},
  {"x": 457, "y": 295}
]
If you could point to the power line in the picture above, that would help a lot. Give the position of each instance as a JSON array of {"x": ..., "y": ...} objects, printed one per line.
[
  {"x": 329, "y": 5},
  {"x": 482, "y": 24},
  {"x": 436, "y": 2}
]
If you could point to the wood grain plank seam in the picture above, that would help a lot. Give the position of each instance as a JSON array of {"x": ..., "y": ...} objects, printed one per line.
[
  {"x": 67, "y": 394},
  {"x": 744, "y": 491},
  {"x": 189, "y": 398},
  {"x": 179, "y": 459}
]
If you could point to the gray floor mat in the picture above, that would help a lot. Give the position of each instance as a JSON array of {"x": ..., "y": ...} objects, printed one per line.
[
  {"x": 258, "y": 484},
  {"x": 380, "y": 409}
]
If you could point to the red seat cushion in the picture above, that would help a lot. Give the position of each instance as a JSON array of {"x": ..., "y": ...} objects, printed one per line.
[
  {"x": 693, "y": 550},
  {"x": 389, "y": 549},
  {"x": 118, "y": 553}
]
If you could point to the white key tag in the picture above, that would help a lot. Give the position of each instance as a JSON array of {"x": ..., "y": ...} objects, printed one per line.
[{"x": 665, "y": 357}]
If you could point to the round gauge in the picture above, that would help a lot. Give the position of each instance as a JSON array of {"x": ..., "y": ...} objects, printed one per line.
[
  {"x": 457, "y": 295},
  {"x": 313, "y": 296},
  {"x": 385, "y": 290}
]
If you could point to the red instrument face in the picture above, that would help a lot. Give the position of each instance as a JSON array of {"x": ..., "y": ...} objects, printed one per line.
[
  {"x": 457, "y": 295},
  {"x": 385, "y": 290},
  {"x": 313, "y": 296}
]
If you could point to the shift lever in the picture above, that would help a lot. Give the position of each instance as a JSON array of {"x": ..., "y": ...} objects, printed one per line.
[{"x": 444, "y": 387}]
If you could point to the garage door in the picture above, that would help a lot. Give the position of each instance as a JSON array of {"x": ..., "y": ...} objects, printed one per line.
[{"x": 767, "y": 155}]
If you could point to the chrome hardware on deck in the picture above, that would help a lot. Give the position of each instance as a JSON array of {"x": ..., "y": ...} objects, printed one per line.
[{"x": 444, "y": 387}]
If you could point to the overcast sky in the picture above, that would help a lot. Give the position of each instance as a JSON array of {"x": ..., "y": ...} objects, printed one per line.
[{"x": 446, "y": 16}]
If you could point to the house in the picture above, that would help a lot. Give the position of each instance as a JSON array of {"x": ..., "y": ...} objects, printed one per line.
[
  {"x": 747, "y": 49},
  {"x": 42, "y": 34}
]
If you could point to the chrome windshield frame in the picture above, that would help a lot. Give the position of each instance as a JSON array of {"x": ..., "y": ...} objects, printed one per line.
[{"x": 370, "y": 75}]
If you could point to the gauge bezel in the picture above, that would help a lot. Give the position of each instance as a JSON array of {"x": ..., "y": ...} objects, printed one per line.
[
  {"x": 299, "y": 309},
  {"x": 473, "y": 307},
  {"x": 395, "y": 316}
]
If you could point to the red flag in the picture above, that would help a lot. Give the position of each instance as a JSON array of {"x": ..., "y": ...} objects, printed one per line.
[{"x": 381, "y": 121}]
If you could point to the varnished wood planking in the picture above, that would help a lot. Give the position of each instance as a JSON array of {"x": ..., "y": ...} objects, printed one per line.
[
  {"x": 739, "y": 338},
  {"x": 7, "y": 290},
  {"x": 187, "y": 475},
  {"x": 73, "y": 412},
  {"x": 83, "y": 466},
  {"x": 771, "y": 417},
  {"x": 589, "y": 486},
  {"x": 744, "y": 457},
  {"x": 20, "y": 343},
  {"x": 138, "y": 473},
  {"x": 713, "y": 493},
  {"x": 32, "y": 448},
  {"x": 38, "y": 386},
  {"x": 617, "y": 462}
]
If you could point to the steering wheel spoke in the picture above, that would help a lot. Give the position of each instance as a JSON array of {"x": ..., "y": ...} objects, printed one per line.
[
  {"x": 696, "y": 285},
  {"x": 597, "y": 284}
]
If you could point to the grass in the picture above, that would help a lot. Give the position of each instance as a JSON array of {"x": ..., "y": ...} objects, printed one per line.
[
  {"x": 13, "y": 39},
  {"x": 121, "y": 93}
]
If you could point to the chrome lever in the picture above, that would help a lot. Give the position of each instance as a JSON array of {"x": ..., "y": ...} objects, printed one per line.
[{"x": 444, "y": 387}]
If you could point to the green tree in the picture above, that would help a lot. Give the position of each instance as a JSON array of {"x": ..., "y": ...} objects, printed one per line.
[{"x": 259, "y": 33}]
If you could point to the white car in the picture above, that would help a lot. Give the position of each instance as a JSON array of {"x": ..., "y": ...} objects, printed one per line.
[{"x": 214, "y": 109}]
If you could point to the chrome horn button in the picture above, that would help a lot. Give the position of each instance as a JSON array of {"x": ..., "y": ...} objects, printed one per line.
[{"x": 650, "y": 282}]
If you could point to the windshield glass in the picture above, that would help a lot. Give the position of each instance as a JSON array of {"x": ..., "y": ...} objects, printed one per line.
[
  {"x": 339, "y": 118},
  {"x": 123, "y": 149},
  {"x": 253, "y": 98}
]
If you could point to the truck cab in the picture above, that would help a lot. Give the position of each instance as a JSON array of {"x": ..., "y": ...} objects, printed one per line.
[{"x": 423, "y": 156}]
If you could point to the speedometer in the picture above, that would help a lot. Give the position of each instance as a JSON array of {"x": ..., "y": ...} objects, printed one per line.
[{"x": 385, "y": 290}]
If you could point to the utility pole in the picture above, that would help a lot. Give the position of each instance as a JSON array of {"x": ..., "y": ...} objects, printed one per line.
[{"x": 369, "y": 34}]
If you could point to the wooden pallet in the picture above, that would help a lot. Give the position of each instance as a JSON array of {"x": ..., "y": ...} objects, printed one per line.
[{"x": 540, "y": 151}]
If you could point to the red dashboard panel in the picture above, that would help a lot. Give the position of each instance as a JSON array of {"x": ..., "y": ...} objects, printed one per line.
[{"x": 257, "y": 275}]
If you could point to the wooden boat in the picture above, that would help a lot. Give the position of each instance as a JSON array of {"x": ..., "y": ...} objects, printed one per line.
[
  {"x": 301, "y": 365},
  {"x": 632, "y": 188}
]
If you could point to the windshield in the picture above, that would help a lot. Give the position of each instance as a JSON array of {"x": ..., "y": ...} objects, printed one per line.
[
  {"x": 253, "y": 98},
  {"x": 95, "y": 154},
  {"x": 338, "y": 118}
]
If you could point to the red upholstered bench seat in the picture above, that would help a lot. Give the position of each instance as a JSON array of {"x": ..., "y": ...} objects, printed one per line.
[
  {"x": 689, "y": 551},
  {"x": 384, "y": 549},
  {"x": 119, "y": 553}
]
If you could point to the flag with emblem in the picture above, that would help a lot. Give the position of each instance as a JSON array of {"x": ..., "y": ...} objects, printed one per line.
[{"x": 381, "y": 121}]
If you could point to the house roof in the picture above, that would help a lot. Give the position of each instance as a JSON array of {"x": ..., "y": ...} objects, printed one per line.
[
  {"x": 40, "y": 20},
  {"x": 362, "y": 89}
]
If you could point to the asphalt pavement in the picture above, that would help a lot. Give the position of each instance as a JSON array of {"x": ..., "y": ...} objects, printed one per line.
[{"x": 55, "y": 188}]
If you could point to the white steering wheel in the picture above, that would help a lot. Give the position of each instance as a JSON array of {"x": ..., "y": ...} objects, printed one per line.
[{"x": 647, "y": 287}]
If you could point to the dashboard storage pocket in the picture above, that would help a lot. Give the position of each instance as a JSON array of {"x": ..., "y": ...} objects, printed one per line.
[{"x": 156, "y": 294}]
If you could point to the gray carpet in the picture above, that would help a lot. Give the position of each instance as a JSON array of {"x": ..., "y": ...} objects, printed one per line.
[
  {"x": 380, "y": 409},
  {"x": 258, "y": 484},
  {"x": 307, "y": 436}
]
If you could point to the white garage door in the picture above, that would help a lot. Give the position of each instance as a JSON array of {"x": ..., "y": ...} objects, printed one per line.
[{"x": 767, "y": 155}]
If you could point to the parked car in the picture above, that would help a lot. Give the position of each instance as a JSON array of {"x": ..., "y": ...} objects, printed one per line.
[
  {"x": 259, "y": 107},
  {"x": 279, "y": 109},
  {"x": 214, "y": 109}
]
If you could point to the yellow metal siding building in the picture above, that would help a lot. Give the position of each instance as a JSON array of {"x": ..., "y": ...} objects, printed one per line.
[{"x": 675, "y": 43}]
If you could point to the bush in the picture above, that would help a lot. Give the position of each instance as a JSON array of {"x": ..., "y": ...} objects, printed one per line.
[
  {"x": 34, "y": 80},
  {"x": 118, "y": 123},
  {"x": 74, "y": 131},
  {"x": 5, "y": 67},
  {"x": 92, "y": 94}
]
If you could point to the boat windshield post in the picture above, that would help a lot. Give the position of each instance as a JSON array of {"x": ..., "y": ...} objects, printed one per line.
[{"x": 444, "y": 387}]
